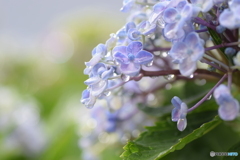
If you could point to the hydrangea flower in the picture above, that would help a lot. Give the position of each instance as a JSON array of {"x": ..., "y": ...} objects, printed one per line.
[
  {"x": 88, "y": 99},
  {"x": 97, "y": 54},
  {"x": 228, "y": 106},
  {"x": 176, "y": 18},
  {"x": 131, "y": 57},
  {"x": 187, "y": 53},
  {"x": 99, "y": 78},
  {"x": 127, "y": 5},
  {"x": 202, "y": 5},
  {"x": 179, "y": 113},
  {"x": 230, "y": 17}
]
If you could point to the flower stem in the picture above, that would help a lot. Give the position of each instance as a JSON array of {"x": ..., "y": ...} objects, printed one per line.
[
  {"x": 222, "y": 45},
  {"x": 208, "y": 94},
  {"x": 205, "y": 23},
  {"x": 213, "y": 65},
  {"x": 176, "y": 72},
  {"x": 216, "y": 61}
]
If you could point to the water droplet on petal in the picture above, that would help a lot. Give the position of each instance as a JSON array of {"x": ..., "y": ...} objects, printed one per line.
[
  {"x": 164, "y": 54},
  {"x": 116, "y": 62},
  {"x": 150, "y": 64},
  {"x": 108, "y": 93},
  {"x": 209, "y": 97},
  {"x": 191, "y": 76},
  {"x": 169, "y": 77},
  {"x": 161, "y": 23},
  {"x": 125, "y": 78}
]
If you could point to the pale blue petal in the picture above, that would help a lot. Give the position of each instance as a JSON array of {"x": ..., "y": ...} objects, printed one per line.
[
  {"x": 98, "y": 68},
  {"x": 134, "y": 47},
  {"x": 92, "y": 80},
  {"x": 227, "y": 19},
  {"x": 175, "y": 114},
  {"x": 173, "y": 32},
  {"x": 229, "y": 110},
  {"x": 171, "y": 15},
  {"x": 130, "y": 25},
  {"x": 176, "y": 102},
  {"x": 220, "y": 91},
  {"x": 121, "y": 58},
  {"x": 87, "y": 99},
  {"x": 107, "y": 74},
  {"x": 100, "y": 49},
  {"x": 134, "y": 34},
  {"x": 198, "y": 52},
  {"x": 192, "y": 39},
  {"x": 121, "y": 49},
  {"x": 130, "y": 69},
  {"x": 187, "y": 11},
  {"x": 98, "y": 88},
  {"x": 178, "y": 52},
  {"x": 182, "y": 124},
  {"x": 127, "y": 5},
  {"x": 187, "y": 67},
  {"x": 157, "y": 11},
  {"x": 94, "y": 60},
  {"x": 143, "y": 57}
]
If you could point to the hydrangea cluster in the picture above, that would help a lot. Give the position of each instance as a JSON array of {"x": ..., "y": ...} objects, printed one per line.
[{"x": 175, "y": 39}]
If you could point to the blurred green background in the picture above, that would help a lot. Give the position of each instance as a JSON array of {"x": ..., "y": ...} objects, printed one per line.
[{"x": 43, "y": 47}]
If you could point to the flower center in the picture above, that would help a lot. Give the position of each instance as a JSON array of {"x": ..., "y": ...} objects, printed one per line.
[{"x": 131, "y": 57}]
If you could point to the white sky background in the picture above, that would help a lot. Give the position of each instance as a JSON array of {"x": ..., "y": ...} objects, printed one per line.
[{"x": 24, "y": 21}]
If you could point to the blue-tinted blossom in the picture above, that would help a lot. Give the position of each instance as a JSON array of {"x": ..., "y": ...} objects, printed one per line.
[
  {"x": 99, "y": 78},
  {"x": 176, "y": 20},
  {"x": 202, "y": 5},
  {"x": 127, "y": 5},
  {"x": 179, "y": 113},
  {"x": 187, "y": 53},
  {"x": 118, "y": 70},
  {"x": 88, "y": 99},
  {"x": 97, "y": 54},
  {"x": 228, "y": 106},
  {"x": 230, "y": 17},
  {"x": 131, "y": 57}
]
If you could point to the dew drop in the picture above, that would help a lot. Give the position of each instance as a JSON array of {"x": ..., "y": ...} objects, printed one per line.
[
  {"x": 191, "y": 76},
  {"x": 164, "y": 54},
  {"x": 150, "y": 64},
  {"x": 125, "y": 78},
  {"x": 116, "y": 62},
  {"x": 169, "y": 77},
  {"x": 161, "y": 23},
  {"x": 108, "y": 93},
  {"x": 209, "y": 97}
]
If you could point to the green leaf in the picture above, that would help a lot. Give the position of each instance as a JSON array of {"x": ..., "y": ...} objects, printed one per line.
[{"x": 164, "y": 138}]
